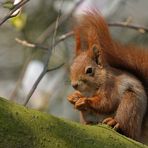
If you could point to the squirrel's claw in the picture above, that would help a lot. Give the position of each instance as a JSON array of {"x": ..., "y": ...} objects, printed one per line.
[
  {"x": 106, "y": 120},
  {"x": 111, "y": 122}
]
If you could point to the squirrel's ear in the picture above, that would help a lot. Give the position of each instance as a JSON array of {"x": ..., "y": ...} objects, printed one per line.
[{"x": 95, "y": 53}]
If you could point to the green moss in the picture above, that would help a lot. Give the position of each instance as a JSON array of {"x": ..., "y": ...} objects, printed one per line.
[{"x": 26, "y": 128}]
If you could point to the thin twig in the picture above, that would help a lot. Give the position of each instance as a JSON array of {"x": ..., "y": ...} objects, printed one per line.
[
  {"x": 34, "y": 86},
  {"x": 38, "y": 81},
  {"x": 55, "y": 68},
  {"x": 25, "y": 43},
  {"x": 35, "y": 45},
  {"x": 10, "y": 14},
  {"x": 30, "y": 45},
  {"x": 47, "y": 59},
  {"x": 18, "y": 10},
  {"x": 139, "y": 28},
  {"x": 63, "y": 37},
  {"x": 56, "y": 26},
  {"x": 51, "y": 28}
]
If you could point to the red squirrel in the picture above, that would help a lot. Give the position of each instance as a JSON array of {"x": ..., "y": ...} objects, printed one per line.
[{"x": 110, "y": 78}]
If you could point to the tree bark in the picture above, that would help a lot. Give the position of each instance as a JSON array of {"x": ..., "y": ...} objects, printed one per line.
[{"x": 26, "y": 128}]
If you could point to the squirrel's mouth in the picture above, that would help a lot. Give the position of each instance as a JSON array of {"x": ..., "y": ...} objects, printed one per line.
[{"x": 88, "y": 93}]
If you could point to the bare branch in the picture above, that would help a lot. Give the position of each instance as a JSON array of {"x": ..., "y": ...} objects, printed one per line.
[
  {"x": 38, "y": 81},
  {"x": 56, "y": 26},
  {"x": 25, "y": 43},
  {"x": 55, "y": 68},
  {"x": 10, "y": 14},
  {"x": 35, "y": 45},
  {"x": 64, "y": 36},
  {"x": 30, "y": 45},
  {"x": 18, "y": 10},
  {"x": 139, "y": 28},
  {"x": 34, "y": 86}
]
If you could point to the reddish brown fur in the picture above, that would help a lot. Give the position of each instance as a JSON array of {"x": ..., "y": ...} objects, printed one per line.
[{"x": 118, "y": 80}]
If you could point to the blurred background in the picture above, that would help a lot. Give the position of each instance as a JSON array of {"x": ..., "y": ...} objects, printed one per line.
[{"x": 20, "y": 66}]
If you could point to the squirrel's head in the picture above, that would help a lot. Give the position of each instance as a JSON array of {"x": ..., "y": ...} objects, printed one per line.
[{"x": 88, "y": 71}]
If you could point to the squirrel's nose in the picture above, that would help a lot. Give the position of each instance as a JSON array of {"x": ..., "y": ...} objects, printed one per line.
[{"x": 75, "y": 85}]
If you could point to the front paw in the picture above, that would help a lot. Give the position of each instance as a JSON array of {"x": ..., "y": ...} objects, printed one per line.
[
  {"x": 82, "y": 104},
  {"x": 111, "y": 122},
  {"x": 73, "y": 98}
]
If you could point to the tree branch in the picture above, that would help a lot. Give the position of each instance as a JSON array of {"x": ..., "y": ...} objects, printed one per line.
[
  {"x": 55, "y": 68},
  {"x": 10, "y": 14},
  {"x": 36, "y": 45},
  {"x": 139, "y": 28},
  {"x": 30, "y": 45},
  {"x": 34, "y": 87},
  {"x": 38, "y": 81}
]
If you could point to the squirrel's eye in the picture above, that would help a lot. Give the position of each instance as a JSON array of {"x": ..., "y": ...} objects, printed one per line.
[{"x": 89, "y": 70}]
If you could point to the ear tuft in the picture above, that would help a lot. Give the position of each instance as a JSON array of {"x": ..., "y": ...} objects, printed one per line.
[{"x": 96, "y": 53}]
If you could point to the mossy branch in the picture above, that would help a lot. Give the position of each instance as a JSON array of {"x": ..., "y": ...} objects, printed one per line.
[{"x": 22, "y": 127}]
